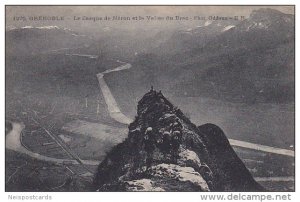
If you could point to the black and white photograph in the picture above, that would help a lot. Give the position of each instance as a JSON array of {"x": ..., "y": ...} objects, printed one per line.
[{"x": 149, "y": 98}]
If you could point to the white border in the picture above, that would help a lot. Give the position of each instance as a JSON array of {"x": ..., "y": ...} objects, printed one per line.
[{"x": 141, "y": 197}]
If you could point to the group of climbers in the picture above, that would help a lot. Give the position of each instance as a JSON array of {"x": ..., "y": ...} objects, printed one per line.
[
  {"x": 162, "y": 129},
  {"x": 167, "y": 138}
]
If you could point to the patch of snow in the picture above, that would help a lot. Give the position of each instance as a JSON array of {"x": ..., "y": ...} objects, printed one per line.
[
  {"x": 67, "y": 29},
  {"x": 207, "y": 23},
  {"x": 44, "y": 27},
  {"x": 143, "y": 185},
  {"x": 106, "y": 29},
  {"x": 48, "y": 27},
  {"x": 11, "y": 27},
  {"x": 27, "y": 27},
  {"x": 228, "y": 28},
  {"x": 258, "y": 25}
]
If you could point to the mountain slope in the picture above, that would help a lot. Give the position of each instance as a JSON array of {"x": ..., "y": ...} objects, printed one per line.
[
  {"x": 34, "y": 40},
  {"x": 250, "y": 62},
  {"x": 192, "y": 38},
  {"x": 164, "y": 151}
]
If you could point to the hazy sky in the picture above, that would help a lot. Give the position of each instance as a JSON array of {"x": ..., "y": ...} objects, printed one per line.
[{"x": 125, "y": 11}]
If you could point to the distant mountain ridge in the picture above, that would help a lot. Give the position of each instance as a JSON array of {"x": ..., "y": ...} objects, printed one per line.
[
  {"x": 30, "y": 40},
  {"x": 252, "y": 61},
  {"x": 237, "y": 61}
]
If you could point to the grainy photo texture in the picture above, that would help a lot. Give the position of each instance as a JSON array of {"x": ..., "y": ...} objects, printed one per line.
[{"x": 149, "y": 98}]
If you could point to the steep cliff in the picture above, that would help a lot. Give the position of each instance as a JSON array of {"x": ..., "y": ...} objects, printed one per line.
[{"x": 164, "y": 151}]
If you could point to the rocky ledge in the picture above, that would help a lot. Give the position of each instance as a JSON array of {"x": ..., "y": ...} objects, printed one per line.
[{"x": 164, "y": 151}]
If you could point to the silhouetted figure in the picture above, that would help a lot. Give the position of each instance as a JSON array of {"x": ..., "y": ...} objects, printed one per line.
[{"x": 151, "y": 90}]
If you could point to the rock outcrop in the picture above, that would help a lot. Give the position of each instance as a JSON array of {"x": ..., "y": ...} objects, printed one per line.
[{"x": 164, "y": 151}]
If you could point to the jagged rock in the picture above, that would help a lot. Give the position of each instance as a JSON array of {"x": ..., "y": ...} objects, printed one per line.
[
  {"x": 164, "y": 151},
  {"x": 142, "y": 185}
]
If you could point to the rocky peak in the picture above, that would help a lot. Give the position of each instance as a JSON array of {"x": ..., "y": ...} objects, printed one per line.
[
  {"x": 164, "y": 151},
  {"x": 266, "y": 18},
  {"x": 265, "y": 13}
]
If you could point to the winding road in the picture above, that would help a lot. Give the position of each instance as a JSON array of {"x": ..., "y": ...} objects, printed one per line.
[
  {"x": 263, "y": 148},
  {"x": 112, "y": 106},
  {"x": 117, "y": 115},
  {"x": 13, "y": 137},
  {"x": 13, "y": 142}
]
